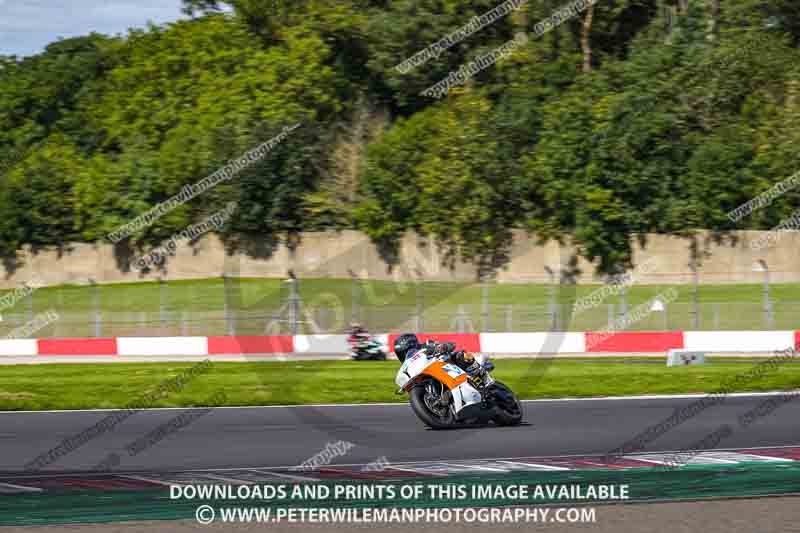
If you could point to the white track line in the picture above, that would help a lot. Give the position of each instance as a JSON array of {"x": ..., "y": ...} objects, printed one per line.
[
  {"x": 280, "y": 474},
  {"x": 19, "y": 488},
  {"x": 403, "y": 403},
  {"x": 474, "y": 467},
  {"x": 537, "y": 465},
  {"x": 131, "y": 476},
  {"x": 231, "y": 480}
]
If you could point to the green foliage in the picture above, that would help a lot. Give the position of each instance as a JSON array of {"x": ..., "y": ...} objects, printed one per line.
[
  {"x": 685, "y": 116},
  {"x": 403, "y": 28},
  {"x": 179, "y": 103},
  {"x": 37, "y": 198},
  {"x": 438, "y": 174}
]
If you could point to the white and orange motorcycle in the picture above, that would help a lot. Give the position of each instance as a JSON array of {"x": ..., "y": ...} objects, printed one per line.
[{"x": 444, "y": 396}]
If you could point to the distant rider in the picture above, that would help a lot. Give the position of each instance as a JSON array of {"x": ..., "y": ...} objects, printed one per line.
[
  {"x": 358, "y": 335},
  {"x": 363, "y": 346}
]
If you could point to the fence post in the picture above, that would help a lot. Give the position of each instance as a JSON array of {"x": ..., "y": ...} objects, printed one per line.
[
  {"x": 419, "y": 307},
  {"x": 355, "y": 304},
  {"x": 551, "y": 298},
  {"x": 229, "y": 319},
  {"x": 623, "y": 296},
  {"x": 162, "y": 304},
  {"x": 484, "y": 303},
  {"x": 60, "y": 311},
  {"x": 98, "y": 314},
  {"x": 185, "y": 323},
  {"x": 559, "y": 319},
  {"x": 294, "y": 304},
  {"x": 761, "y": 266},
  {"x": 695, "y": 296},
  {"x": 30, "y": 306},
  {"x": 768, "y": 303}
]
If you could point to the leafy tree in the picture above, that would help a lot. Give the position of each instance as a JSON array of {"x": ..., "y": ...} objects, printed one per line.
[
  {"x": 437, "y": 173},
  {"x": 643, "y": 116},
  {"x": 37, "y": 198}
]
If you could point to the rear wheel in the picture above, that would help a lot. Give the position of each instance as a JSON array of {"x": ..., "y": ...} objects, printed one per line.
[
  {"x": 509, "y": 409},
  {"x": 430, "y": 403}
]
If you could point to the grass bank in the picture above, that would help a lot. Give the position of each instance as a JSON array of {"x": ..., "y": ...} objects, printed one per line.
[{"x": 84, "y": 386}]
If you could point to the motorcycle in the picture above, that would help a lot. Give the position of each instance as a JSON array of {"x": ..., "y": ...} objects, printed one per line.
[
  {"x": 367, "y": 349},
  {"x": 444, "y": 396}
]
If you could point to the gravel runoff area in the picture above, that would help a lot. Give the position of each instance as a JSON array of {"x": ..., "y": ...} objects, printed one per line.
[{"x": 764, "y": 515}]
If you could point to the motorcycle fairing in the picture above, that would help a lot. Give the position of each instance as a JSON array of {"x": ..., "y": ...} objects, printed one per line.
[{"x": 451, "y": 376}]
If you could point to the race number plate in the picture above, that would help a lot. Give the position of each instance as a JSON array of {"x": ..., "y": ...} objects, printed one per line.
[{"x": 452, "y": 370}]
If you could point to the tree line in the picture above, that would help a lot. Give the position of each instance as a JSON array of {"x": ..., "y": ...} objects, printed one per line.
[{"x": 632, "y": 117}]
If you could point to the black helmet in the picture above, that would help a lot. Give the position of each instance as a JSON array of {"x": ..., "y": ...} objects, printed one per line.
[{"x": 404, "y": 344}]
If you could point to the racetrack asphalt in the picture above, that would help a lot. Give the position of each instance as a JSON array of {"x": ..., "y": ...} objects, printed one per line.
[{"x": 259, "y": 437}]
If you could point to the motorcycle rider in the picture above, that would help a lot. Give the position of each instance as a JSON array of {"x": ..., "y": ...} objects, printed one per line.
[
  {"x": 408, "y": 345},
  {"x": 360, "y": 341},
  {"x": 358, "y": 334}
]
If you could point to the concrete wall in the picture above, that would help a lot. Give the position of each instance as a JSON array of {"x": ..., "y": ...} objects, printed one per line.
[{"x": 336, "y": 254}]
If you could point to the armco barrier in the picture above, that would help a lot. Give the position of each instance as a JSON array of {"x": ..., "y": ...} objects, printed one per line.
[
  {"x": 23, "y": 347},
  {"x": 250, "y": 345},
  {"x": 316, "y": 344},
  {"x": 465, "y": 341},
  {"x": 634, "y": 341},
  {"x": 532, "y": 343},
  {"x": 77, "y": 347},
  {"x": 569, "y": 343},
  {"x": 165, "y": 346},
  {"x": 736, "y": 341}
]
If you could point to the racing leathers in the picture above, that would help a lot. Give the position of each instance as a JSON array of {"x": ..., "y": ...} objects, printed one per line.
[{"x": 464, "y": 360}]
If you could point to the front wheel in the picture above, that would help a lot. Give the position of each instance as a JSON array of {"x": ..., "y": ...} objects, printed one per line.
[
  {"x": 509, "y": 409},
  {"x": 429, "y": 404}
]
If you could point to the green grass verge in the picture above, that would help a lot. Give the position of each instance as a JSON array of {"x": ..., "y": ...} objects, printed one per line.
[{"x": 83, "y": 386}]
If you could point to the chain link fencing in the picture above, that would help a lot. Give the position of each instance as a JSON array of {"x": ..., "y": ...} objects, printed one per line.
[{"x": 252, "y": 306}]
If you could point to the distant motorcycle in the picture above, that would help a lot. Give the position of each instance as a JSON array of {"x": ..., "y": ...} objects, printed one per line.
[
  {"x": 366, "y": 349},
  {"x": 444, "y": 396}
]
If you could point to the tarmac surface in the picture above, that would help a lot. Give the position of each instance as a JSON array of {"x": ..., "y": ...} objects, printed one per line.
[{"x": 259, "y": 437}]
